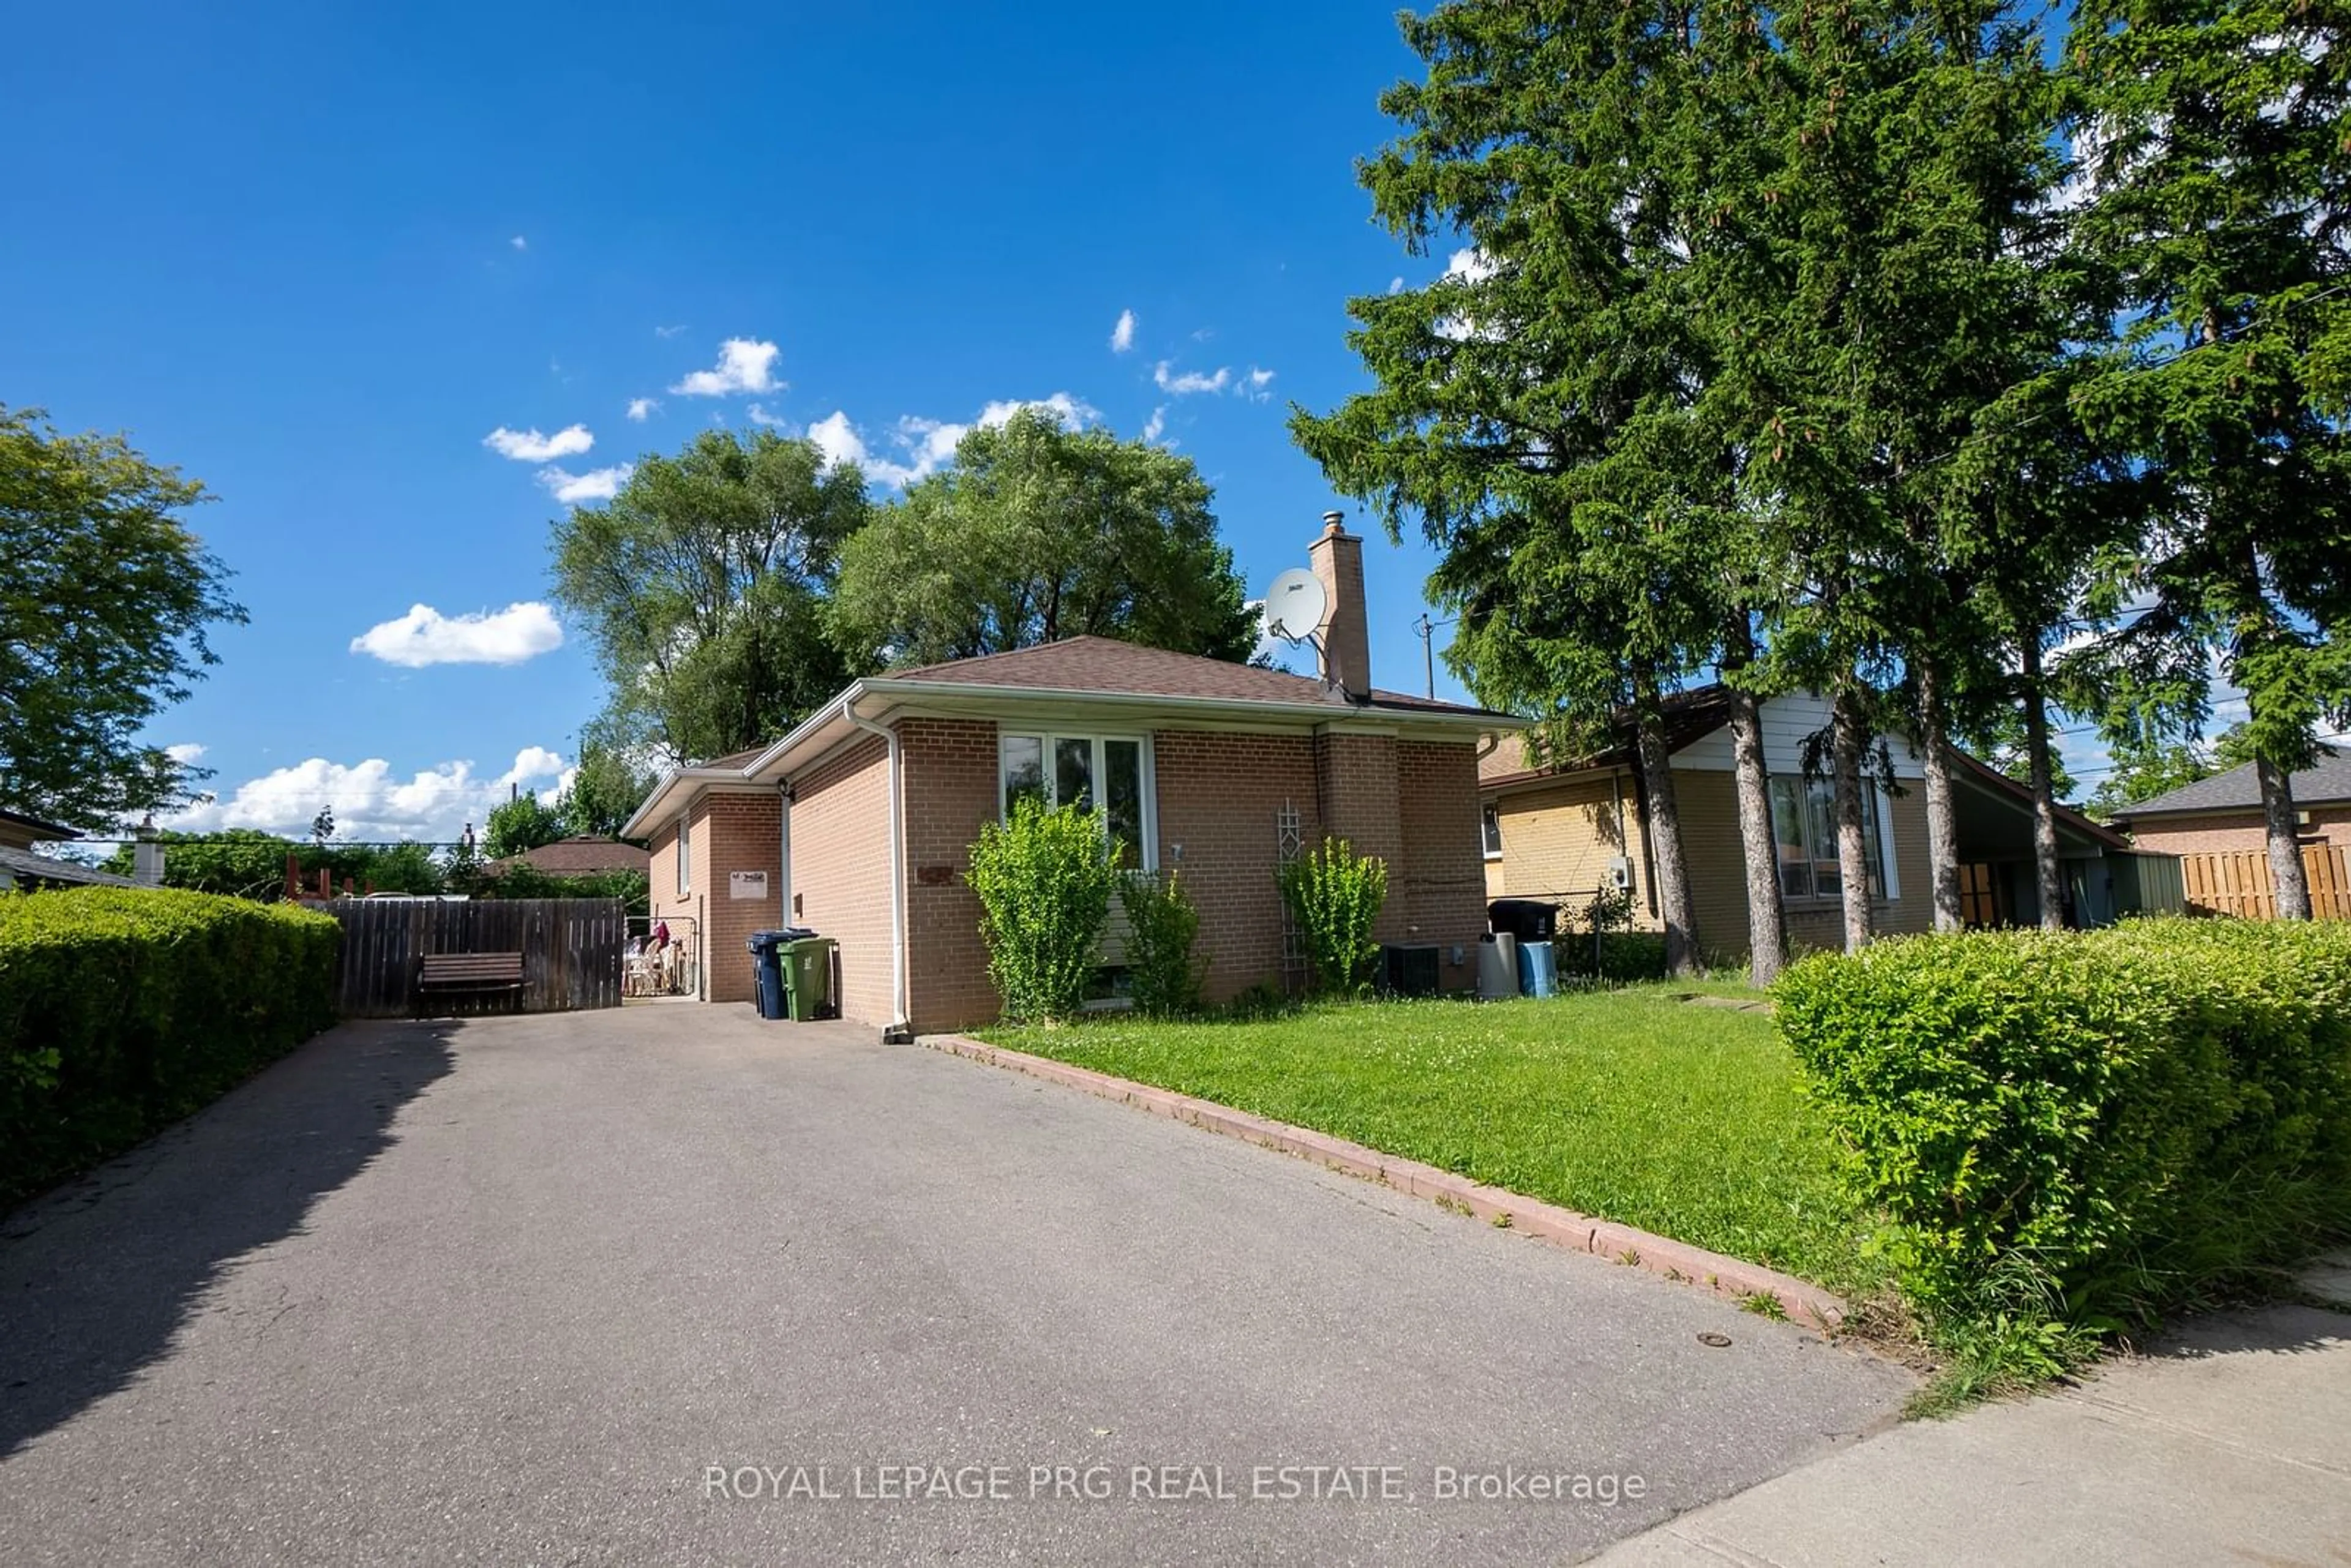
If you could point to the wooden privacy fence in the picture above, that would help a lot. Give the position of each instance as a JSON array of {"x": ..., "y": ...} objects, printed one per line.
[
  {"x": 571, "y": 951},
  {"x": 2237, "y": 882}
]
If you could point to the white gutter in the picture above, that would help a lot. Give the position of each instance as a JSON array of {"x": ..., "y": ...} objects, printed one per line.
[
  {"x": 651, "y": 814},
  {"x": 898, "y": 1021}
]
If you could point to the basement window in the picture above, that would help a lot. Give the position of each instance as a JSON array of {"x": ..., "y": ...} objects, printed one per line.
[
  {"x": 1803, "y": 829},
  {"x": 1105, "y": 773}
]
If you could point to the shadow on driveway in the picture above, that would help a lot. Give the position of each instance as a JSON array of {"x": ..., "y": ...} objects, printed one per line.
[{"x": 97, "y": 1276}]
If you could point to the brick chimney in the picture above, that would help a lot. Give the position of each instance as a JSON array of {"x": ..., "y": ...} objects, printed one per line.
[{"x": 1346, "y": 653}]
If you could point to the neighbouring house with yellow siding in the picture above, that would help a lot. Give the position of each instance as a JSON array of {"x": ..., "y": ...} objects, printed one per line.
[{"x": 1563, "y": 832}]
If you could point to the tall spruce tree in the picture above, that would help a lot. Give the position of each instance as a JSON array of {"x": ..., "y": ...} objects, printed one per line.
[
  {"x": 1903, "y": 303},
  {"x": 2214, "y": 140},
  {"x": 1541, "y": 411}
]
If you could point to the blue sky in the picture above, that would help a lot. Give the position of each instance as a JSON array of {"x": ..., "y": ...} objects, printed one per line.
[{"x": 316, "y": 257}]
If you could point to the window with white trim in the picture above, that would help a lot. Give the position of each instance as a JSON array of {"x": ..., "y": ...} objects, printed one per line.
[
  {"x": 1493, "y": 826},
  {"x": 1804, "y": 830},
  {"x": 685, "y": 856},
  {"x": 1109, "y": 773}
]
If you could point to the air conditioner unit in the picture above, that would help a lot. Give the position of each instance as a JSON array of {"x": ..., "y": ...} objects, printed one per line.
[{"x": 1619, "y": 874}]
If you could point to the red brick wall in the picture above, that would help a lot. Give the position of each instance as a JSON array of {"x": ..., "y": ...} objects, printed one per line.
[
  {"x": 951, "y": 785},
  {"x": 2238, "y": 831},
  {"x": 683, "y": 912},
  {"x": 1219, "y": 796},
  {"x": 841, "y": 870},
  {"x": 1357, "y": 781},
  {"x": 736, "y": 832},
  {"x": 1443, "y": 874}
]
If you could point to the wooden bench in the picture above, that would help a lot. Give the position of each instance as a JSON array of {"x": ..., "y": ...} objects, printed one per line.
[{"x": 439, "y": 973}]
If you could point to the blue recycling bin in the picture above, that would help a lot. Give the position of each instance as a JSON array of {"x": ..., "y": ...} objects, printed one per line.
[
  {"x": 1538, "y": 969},
  {"x": 767, "y": 962}
]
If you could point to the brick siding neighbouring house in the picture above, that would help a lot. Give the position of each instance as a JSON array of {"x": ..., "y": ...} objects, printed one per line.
[
  {"x": 841, "y": 870},
  {"x": 2236, "y": 832}
]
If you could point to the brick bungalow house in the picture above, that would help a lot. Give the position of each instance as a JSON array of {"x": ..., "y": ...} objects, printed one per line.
[
  {"x": 1559, "y": 833},
  {"x": 2222, "y": 814},
  {"x": 857, "y": 823}
]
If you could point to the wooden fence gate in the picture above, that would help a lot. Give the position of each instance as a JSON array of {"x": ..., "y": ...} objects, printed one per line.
[
  {"x": 2237, "y": 882},
  {"x": 571, "y": 951}
]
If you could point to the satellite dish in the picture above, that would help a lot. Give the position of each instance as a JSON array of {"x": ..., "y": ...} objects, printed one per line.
[{"x": 1295, "y": 604}]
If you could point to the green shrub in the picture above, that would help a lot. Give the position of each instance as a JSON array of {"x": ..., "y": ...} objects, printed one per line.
[
  {"x": 1626, "y": 957},
  {"x": 123, "y": 1009},
  {"x": 2071, "y": 1132},
  {"x": 1044, "y": 882},
  {"x": 1336, "y": 895},
  {"x": 1161, "y": 925}
]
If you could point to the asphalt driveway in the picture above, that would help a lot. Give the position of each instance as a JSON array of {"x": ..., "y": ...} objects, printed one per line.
[{"x": 594, "y": 1288}]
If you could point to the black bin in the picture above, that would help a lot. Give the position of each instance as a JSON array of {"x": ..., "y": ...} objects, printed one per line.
[
  {"x": 766, "y": 962},
  {"x": 1528, "y": 919}
]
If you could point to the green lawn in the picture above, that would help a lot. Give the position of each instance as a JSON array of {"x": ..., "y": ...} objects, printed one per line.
[{"x": 1632, "y": 1105}]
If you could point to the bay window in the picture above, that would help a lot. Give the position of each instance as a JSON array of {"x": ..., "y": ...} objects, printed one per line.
[
  {"x": 1804, "y": 830},
  {"x": 1106, "y": 773}
]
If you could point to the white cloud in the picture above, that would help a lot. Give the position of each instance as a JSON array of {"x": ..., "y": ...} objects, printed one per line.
[
  {"x": 1156, "y": 423},
  {"x": 520, "y": 242},
  {"x": 929, "y": 443},
  {"x": 531, "y": 446},
  {"x": 923, "y": 446},
  {"x": 370, "y": 802},
  {"x": 1190, "y": 381},
  {"x": 1074, "y": 414},
  {"x": 640, "y": 408},
  {"x": 187, "y": 751},
  {"x": 744, "y": 366},
  {"x": 773, "y": 421},
  {"x": 596, "y": 484},
  {"x": 838, "y": 440},
  {"x": 1252, "y": 385},
  {"x": 665, "y": 333},
  {"x": 1396, "y": 284},
  {"x": 425, "y": 636},
  {"x": 1472, "y": 266},
  {"x": 1122, "y": 337}
]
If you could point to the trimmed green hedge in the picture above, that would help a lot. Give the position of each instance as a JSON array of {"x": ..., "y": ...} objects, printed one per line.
[
  {"x": 123, "y": 1009},
  {"x": 2076, "y": 1131}
]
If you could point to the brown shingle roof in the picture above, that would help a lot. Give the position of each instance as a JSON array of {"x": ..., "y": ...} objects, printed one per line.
[
  {"x": 1689, "y": 716},
  {"x": 585, "y": 856},
  {"x": 1109, "y": 666}
]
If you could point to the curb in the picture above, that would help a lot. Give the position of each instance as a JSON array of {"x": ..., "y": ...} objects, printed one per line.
[{"x": 1726, "y": 1276}]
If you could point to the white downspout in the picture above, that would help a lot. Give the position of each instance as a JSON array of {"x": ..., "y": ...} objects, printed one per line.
[
  {"x": 898, "y": 1031},
  {"x": 784, "y": 854}
]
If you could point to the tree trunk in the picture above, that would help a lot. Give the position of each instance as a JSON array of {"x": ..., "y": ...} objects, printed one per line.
[
  {"x": 1942, "y": 820},
  {"x": 1767, "y": 934},
  {"x": 1848, "y": 736},
  {"x": 2048, "y": 873},
  {"x": 2284, "y": 841},
  {"x": 1666, "y": 842}
]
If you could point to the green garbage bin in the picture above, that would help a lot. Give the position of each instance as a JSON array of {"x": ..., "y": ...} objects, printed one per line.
[{"x": 808, "y": 977}]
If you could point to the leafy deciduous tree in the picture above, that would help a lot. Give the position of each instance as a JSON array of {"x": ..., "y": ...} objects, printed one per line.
[
  {"x": 104, "y": 605},
  {"x": 701, "y": 584},
  {"x": 1036, "y": 533}
]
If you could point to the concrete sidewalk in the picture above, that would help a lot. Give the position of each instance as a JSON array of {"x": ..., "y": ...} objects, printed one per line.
[{"x": 2230, "y": 1443}]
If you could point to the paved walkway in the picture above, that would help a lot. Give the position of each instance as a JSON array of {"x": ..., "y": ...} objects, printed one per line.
[
  {"x": 2230, "y": 1444},
  {"x": 510, "y": 1290}
]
